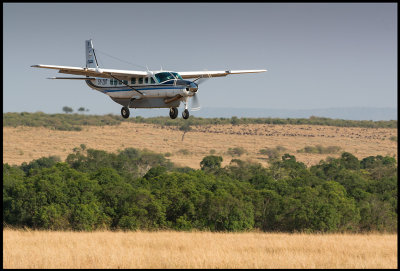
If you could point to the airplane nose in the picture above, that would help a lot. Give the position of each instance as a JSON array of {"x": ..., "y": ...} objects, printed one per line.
[{"x": 192, "y": 87}]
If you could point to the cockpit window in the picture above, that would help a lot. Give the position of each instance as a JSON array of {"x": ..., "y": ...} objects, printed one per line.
[
  {"x": 164, "y": 76},
  {"x": 177, "y": 75}
]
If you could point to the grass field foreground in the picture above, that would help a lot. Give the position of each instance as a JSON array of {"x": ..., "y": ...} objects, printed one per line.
[{"x": 169, "y": 249}]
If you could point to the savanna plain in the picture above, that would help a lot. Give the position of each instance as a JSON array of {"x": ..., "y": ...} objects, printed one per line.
[
  {"x": 23, "y": 144},
  {"x": 169, "y": 249}
]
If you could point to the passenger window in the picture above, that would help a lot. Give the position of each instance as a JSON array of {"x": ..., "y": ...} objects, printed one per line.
[
  {"x": 119, "y": 82},
  {"x": 125, "y": 82},
  {"x": 141, "y": 80},
  {"x": 152, "y": 80},
  {"x": 133, "y": 81},
  {"x": 146, "y": 80}
]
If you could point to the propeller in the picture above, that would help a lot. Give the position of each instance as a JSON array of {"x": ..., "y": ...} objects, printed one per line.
[
  {"x": 195, "y": 106},
  {"x": 195, "y": 103}
]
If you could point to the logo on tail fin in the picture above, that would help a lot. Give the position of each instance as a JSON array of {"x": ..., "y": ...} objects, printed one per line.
[{"x": 91, "y": 61}]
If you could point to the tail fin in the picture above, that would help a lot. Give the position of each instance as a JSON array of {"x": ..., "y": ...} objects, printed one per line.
[{"x": 91, "y": 60}]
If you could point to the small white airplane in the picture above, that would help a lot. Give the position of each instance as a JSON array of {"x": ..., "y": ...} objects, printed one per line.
[{"x": 141, "y": 89}]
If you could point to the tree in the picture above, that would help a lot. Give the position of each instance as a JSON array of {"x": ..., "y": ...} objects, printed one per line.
[
  {"x": 81, "y": 109},
  {"x": 154, "y": 172},
  {"x": 349, "y": 161},
  {"x": 234, "y": 120},
  {"x": 95, "y": 189},
  {"x": 67, "y": 109},
  {"x": 185, "y": 128},
  {"x": 44, "y": 162},
  {"x": 211, "y": 162}
]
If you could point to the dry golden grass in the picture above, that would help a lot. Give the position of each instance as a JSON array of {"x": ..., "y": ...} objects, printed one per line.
[
  {"x": 23, "y": 144},
  {"x": 168, "y": 249}
]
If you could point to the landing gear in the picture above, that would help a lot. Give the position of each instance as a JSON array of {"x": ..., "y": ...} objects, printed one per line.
[
  {"x": 185, "y": 114},
  {"x": 125, "y": 112},
  {"x": 173, "y": 112}
]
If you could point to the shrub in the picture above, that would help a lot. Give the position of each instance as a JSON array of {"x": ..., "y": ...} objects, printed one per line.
[
  {"x": 237, "y": 151},
  {"x": 184, "y": 151},
  {"x": 273, "y": 153},
  {"x": 211, "y": 162},
  {"x": 320, "y": 149}
]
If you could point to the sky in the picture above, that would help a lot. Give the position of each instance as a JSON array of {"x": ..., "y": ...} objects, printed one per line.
[{"x": 320, "y": 55}]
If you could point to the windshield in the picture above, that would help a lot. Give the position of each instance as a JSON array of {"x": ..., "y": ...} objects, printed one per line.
[{"x": 164, "y": 76}]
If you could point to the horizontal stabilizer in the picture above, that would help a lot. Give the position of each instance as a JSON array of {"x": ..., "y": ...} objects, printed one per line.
[
  {"x": 73, "y": 78},
  {"x": 94, "y": 72}
]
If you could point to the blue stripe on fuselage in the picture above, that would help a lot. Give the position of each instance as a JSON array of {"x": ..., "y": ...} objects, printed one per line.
[{"x": 116, "y": 90}]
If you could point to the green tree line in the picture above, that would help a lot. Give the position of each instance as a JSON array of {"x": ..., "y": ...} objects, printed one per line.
[
  {"x": 74, "y": 122},
  {"x": 138, "y": 189}
]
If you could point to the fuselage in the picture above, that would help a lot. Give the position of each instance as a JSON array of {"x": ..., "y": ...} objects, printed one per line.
[{"x": 154, "y": 85}]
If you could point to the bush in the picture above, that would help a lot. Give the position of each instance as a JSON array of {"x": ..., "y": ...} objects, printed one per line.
[
  {"x": 273, "y": 153},
  {"x": 211, "y": 162},
  {"x": 320, "y": 149},
  {"x": 184, "y": 151},
  {"x": 237, "y": 151}
]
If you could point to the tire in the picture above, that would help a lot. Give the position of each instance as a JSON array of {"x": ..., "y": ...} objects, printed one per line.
[
  {"x": 173, "y": 112},
  {"x": 125, "y": 112},
  {"x": 185, "y": 114}
]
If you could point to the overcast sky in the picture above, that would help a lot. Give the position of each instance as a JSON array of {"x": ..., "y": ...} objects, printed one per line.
[{"x": 317, "y": 55}]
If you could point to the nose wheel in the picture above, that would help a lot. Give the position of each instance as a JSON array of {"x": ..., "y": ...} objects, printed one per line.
[
  {"x": 125, "y": 112},
  {"x": 185, "y": 114},
  {"x": 173, "y": 112}
]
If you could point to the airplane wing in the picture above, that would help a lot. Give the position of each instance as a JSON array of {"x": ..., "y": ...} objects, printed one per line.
[
  {"x": 104, "y": 73},
  {"x": 197, "y": 74}
]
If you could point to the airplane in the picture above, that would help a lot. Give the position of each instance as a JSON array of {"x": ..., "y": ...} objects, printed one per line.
[{"x": 142, "y": 89}]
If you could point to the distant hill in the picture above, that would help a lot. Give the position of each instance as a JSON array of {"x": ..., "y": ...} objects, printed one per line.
[{"x": 347, "y": 113}]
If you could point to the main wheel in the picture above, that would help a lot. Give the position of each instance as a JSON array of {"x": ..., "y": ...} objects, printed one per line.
[
  {"x": 185, "y": 114},
  {"x": 125, "y": 112},
  {"x": 173, "y": 112}
]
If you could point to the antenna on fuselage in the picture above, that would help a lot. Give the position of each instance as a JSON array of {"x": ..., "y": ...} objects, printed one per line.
[{"x": 116, "y": 58}]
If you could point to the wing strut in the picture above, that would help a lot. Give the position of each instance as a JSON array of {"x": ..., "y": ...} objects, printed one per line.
[{"x": 126, "y": 84}]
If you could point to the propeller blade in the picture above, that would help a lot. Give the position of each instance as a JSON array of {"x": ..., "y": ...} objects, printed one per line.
[{"x": 195, "y": 103}]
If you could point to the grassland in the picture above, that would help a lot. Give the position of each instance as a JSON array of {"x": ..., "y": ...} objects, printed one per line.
[
  {"x": 168, "y": 249},
  {"x": 23, "y": 144}
]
